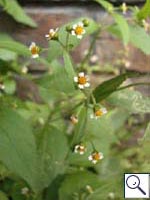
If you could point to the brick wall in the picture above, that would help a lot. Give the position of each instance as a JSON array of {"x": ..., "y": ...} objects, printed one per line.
[{"x": 54, "y": 15}]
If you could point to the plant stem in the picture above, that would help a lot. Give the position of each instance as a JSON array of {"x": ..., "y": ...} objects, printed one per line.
[
  {"x": 86, "y": 58},
  {"x": 134, "y": 84}
]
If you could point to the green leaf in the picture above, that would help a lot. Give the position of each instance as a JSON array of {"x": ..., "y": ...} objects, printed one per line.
[
  {"x": 58, "y": 82},
  {"x": 3, "y": 196},
  {"x": 145, "y": 11},
  {"x": 75, "y": 185},
  {"x": 140, "y": 39},
  {"x": 147, "y": 133},
  {"x": 18, "y": 148},
  {"x": 123, "y": 27},
  {"x": 131, "y": 100},
  {"x": 53, "y": 149},
  {"x": 68, "y": 65},
  {"x": 80, "y": 127},
  {"x": 16, "y": 47},
  {"x": 7, "y": 55},
  {"x": 14, "y": 9},
  {"x": 103, "y": 131},
  {"x": 107, "y": 87},
  {"x": 108, "y": 6}
]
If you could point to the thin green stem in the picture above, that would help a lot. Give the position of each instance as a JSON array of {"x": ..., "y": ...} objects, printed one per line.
[
  {"x": 134, "y": 84},
  {"x": 86, "y": 58}
]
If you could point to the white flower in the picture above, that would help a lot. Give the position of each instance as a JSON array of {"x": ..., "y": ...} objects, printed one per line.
[
  {"x": 146, "y": 25},
  {"x": 95, "y": 157},
  {"x": 34, "y": 50},
  {"x": 24, "y": 70},
  {"x": 82, "y": 80},
  {"x": 74, "y": 119},
  {"x": 52, "y": 33},
  {"x": 25, "y": 191},
  {"x": 124, "y": 8},
  {"x": 78, "y": 30},
  {"x": 98, "y": 113},
  {"x": 2, "y": 86},
  {"x": 80, "y": 148}
]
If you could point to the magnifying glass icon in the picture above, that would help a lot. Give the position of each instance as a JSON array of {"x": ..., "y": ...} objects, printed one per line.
[{"x": 133, "y": 182}]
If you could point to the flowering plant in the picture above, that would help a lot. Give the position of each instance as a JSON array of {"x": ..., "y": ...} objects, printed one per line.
[{"x": 72, "y": 143}]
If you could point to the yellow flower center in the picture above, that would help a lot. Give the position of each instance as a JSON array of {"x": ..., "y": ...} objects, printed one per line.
[
  {"x": 98, "y": 113},
  {"x": 96, "y": 156},
  {"x": 79, "y": 30},
  {"x": 82, "y": 80},
  {"x": 35, "y": 50}
]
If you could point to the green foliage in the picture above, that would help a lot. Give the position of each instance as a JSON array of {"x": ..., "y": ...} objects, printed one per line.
[
  {"x": 107, "y": 87},
  {"x": 145, "y": 11},
  {"x": 123, "y": 27},
  {"x": 131, "y": 100},
  {"x": 13, "y": 8},
  {"x": 140, "y": 39},
  {"x": 51, "y": 128}
]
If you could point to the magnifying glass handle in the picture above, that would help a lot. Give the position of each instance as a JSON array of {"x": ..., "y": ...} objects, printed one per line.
[{"x": 142, "y": 190}]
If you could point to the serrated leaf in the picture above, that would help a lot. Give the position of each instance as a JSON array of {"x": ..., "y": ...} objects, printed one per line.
[
  {"x": 140, "y": 39},
  {"x": 76, "y": 183},
  {"x": 107, "y": 87},
  {"x": 18, "y": 148},
  {"x": 14, "y": 9},
  {"x": 53, "y": 149},
  {"x": 131, "y": 100},
  {"x": 145, "y": 11},
  {"x": 68, "y": 65},
  {"x": 123, "y": 27},
  {"x": 80, "y": 127}
]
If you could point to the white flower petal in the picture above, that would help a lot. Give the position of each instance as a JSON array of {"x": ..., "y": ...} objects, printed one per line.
[
  {"x": 47, "y": 36},
  {"x": 81, "y": 152},
  {"x": 35, "y": 55},
  {"x": 81, "y": 86},
  {"x": 90, "y": 158},
  {"x": 87, "y": 84},
  {"x": 74, "y": 26},
  {"x": 81, "y": 74},
  {"x": 92, "y": 116},
  {"x": 79, "y": 36},
  {"x": 76, "y": 79},
  {"x": 101, "y": 155},
  {"x": 104, "y": 110},
  {"x": 83, "y": 32},
  {"x": 73, "y": 33},
  {"x": 80, "y": 24},
  {"x": 94, "y": 161}
]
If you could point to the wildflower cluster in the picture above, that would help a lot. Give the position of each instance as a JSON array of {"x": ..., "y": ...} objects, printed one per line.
[{"x": 94, "y": 157}]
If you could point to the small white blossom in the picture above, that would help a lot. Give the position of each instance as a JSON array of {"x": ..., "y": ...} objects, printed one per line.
[
  {"x": 124, "y": 8},
  {"x": 24, "y": 70},
  {"x": 146, "y": 25},
  {"x": 25, "y": 191},
  {"x": 78, "y": 30},
  {"x": 52, "y": 33},
  {"x": 34, "y": 50},
  {"x": 80, "y": 148},
  {"x": 74, "y": 119},
  {"x": 95, "y": 157},
  {"x": 82, "y": 80},
  {"x": 2, "y": 86},
  {"x": 98, "y": 113}
]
